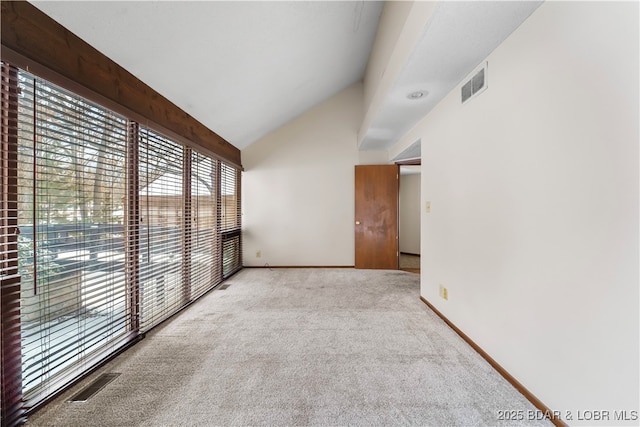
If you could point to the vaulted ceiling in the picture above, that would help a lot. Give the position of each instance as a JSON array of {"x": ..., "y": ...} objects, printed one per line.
[
  {"x": 241, "y": 68},
  {"x": 244, "y": 69}
]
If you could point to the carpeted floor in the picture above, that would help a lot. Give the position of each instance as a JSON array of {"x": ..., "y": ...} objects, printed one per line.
[{"x": 299, "y": 347}]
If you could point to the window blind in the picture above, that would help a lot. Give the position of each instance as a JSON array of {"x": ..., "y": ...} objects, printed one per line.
[
  {"x": 230, "y": 216},
  {"x": 161, "y": 227},
  {"x": 71, "y": 195},
  {"x": 107, "y": 229},
  {"x": 10, "y": 340},
  {"x": 205, "y": 253}
]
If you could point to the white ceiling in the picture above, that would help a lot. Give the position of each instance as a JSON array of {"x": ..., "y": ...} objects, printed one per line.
[
  {"x": 459, "y": 35},
  {"x": 244, "y": 69}
]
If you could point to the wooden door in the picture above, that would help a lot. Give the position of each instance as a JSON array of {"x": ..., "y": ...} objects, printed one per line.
[{"x": 376, "y": 222}]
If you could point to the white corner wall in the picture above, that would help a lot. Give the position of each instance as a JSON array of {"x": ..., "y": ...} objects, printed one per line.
[
  {"x": 534, "y": 208},
  {"x": 410, "y": 214},
  {"x": 298, "y": 188}
]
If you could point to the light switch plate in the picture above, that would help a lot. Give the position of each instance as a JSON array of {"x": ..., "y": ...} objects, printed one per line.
[{"x": 428, "y": 206}]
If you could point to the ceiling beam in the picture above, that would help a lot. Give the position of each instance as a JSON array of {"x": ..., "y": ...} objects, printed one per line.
[{"x": 411, "y": 22}]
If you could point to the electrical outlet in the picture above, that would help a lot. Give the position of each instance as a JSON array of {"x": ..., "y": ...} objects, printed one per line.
[
  {"x": 444, "y": 293},
  {"x": 258, "y": 254}
]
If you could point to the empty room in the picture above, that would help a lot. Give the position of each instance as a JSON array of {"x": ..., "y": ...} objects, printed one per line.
[{"x": 329, "y": 213}]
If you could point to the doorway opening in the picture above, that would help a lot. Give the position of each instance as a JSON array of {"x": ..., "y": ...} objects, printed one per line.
[{"x": 409, "y": 217}]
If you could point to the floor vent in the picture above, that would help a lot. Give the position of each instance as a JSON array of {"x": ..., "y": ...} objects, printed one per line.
[
  {"x": 92, "y": 389},
  {"x": 224, "y": 287}
]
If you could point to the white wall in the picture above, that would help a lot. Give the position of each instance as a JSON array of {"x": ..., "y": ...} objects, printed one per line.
[
  {"x": 534, "y": 207},
  {"x": 373, "y": 157},
  {"x": 298, "y": 188},
  {"x": 410, "y": 213}
]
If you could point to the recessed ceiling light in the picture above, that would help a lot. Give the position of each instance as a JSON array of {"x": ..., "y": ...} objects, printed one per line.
[{"x": 417, "y": 94}]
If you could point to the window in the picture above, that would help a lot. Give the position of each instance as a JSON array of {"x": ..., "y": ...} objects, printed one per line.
[
  {"x": 108, "y": 228},
  {"x": 71, "y": 195},
  {"x": 230, "y": 220},
  {"x": 205, "y": 241},
  {"x": 162, "y": 238}
]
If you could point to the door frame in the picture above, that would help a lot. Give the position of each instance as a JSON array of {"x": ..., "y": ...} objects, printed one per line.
[{"x": 409, "y": 162}]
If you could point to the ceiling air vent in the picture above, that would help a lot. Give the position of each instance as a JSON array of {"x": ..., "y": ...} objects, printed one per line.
[{"x": 475, "y": 84}]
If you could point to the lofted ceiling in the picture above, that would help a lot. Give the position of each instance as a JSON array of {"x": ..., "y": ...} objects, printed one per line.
[{"x": 243, "y": 69}]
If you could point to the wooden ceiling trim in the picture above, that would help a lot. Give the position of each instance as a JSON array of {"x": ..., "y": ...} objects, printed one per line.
[{"x": 409, "y": 162}]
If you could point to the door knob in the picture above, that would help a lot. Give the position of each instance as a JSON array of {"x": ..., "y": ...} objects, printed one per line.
[{"x": 357, "y": 222}]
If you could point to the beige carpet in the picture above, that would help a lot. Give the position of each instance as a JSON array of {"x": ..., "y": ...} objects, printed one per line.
[{"x": 299, "y": 347}]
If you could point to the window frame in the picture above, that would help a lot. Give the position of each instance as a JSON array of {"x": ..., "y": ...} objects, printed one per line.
[{"x": 13, "y": 405}]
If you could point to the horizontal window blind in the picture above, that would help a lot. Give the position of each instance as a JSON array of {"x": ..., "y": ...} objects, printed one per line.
[
  {"x": 107, "y": 229},
  {"x": 161, "y": 228},
  {"x": 205, "y": 269},
  {"x": 230, "y": 216},
  {"x": 10, "y": 348},
  {"x": 71, "y": 195}
]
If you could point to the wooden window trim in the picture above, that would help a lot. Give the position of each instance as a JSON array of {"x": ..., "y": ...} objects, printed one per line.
[
  {"x": 132, "y": 229},
  {"x": 187, "y": 226},
  {"x": 11, "y": 409}
]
